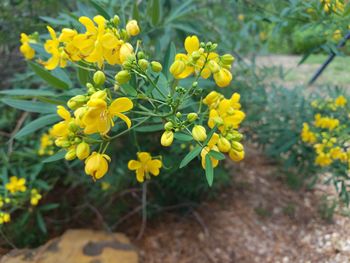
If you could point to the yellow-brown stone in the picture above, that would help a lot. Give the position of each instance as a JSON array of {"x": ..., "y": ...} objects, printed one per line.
[{"x": 79, "y": 246}]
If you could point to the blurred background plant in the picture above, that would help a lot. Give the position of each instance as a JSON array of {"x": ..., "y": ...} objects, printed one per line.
[{"x": 275, "y": 114}]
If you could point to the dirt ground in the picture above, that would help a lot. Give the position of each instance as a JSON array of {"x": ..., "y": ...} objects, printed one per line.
[{"x": 256, "y": 219}]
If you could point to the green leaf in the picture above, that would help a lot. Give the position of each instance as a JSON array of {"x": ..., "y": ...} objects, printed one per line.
[
  {"x": 100, "y": 9},
  {"x": 129, "y": 89},
  {"x": 190, "y": 156},
  {"x": 49, "y": 207},
  {"x": 48, "y": 77},
  {"x": 183, "y": 137},
  {"x": 209, "y": 170},
  {"x": 150, "y": 128},
  {"x": 36, "y": 125},
  {"x": 135, "y": 12},
  {"x": 180, "y": 11},
  {"x": 155, "y": 12},
  {"x": 210, "y": 135},
  {"x": 30, "y": 106},
  {"x": 57, "y": 156},
  {"x": 41, "y": 223},
  {"x": 83, "y": 76},
  {"x": 28, "y": 92},
  {"x": 169, "y": 59},
  {"x": 217, "y": 155}
]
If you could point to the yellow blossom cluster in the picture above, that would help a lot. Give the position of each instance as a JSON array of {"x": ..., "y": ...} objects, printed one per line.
[
  {"x": 337, "y": 6},
  {"x": 202, "y": 62},
  {"x": 103, "y": 41},
  {"x": 326, "y": 134}
]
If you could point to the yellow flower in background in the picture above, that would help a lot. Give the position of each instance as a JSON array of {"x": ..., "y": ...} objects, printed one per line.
[
  {"x": 306, "y": 135},
  {"x": 98, "y": 117},
  {"x": 240, "y": 17},
  {"x": 4, "y": 218},
  {"x": 326, "y": 122},
  {"x": 27, "y": 51},
  {"x": 46, "y": 144},
  {"x": 96, "y": 165},
  {"x": 58, "y": 55},
  {"x": 16, "y": 185},
  {"x": 340, "y": 101},
  {"x": 337, "y": 35},
  {"x": 323, "y": 159},
  {"x": 144, "y": 165},
  {"x": 35, "y": 197}
]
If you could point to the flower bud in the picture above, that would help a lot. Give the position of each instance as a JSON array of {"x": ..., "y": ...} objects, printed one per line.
[
  {"x": 140, "y": 55},
  {"x": 178, "y": 114},
  {"x": 132, "y": 28},
  {"x": 70, "y": 155},
  {"x": 223, "y": 78},
  {"x": 123, "y": 77},
  {"x": 199, "y": 133},
  {"x": 213, "y": 66},
  {"x": 224, "y": 145},
  {"x": 167, "y": 138},
  {"x": 237, "y": 146},
  {"x": 125, "y": 51},
  {"x": 195, "y": 84},
  {"x": 236, "y": 156},
  {"x": 156, "y": 66},
  {"x": 177, "y": 67},
  {"x": 116, "y": 20},
  {"x": 73, "y": 126},
  {"x": 227, "y": 59},
  {"x": 196, "y": 55},
  {"x": 191, "y": 117},
  {"x": 168, "y": 126},
  {"x": 83, "y": 150},
  {"x": 101, "y": 94},
  {"x": 143, "y": 63},
  {"x": 99, "y": 78},
  {"x": 76, "y": 102}
]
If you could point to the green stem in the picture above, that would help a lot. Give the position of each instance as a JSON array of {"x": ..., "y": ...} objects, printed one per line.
[{"x": 126, "y": 131}]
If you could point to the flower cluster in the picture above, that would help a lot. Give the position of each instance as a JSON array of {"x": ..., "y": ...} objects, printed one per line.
[
  {"x": 16, "y": 193},
  {"x": 327, "y": 134},
  {"x": 101, "y": 42},
  {"x": 333, "y": 5},
  {"x": 201, "y": 59},
  {"x": 90, "y": 119}
]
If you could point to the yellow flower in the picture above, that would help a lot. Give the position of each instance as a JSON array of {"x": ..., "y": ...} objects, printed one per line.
[
  {"x": 46, "y": 143},
  {"x": 326, "y": 122},
  {"x": 167, "y": 138},
  {"x": 61, "y": 129},
  {"x": 308, "y": 136},
  {"x": 132, "y": 28},
  {"x": 323, "y": 159},
  {"x": 58, "y": 55},
  {"x": 98, "y": 117},
  {"x": 144, "y": 165},
  {"x": 27, "y": 51},
  {"x": 96, "y": 165},
  {"x": 35, "y": 197},
  {"x": 199, "y": 133},
  {"x": 340, "y": 101},
  {"x": 337, "y": 35},
  {"x": 210, "y": 147},
  {"x": 240, "y": 17},
  {"x": 126, "y": 50},
  {"x": 16, "y": 185},
  {"x": 4, "y": 218}
]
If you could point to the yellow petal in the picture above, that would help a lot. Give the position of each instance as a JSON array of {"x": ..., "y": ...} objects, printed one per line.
[
  {"x": 140, "y": 175},
  {"x": 144, "y": 157},
  {"x": 63, "y": 112},
  {"x": 52, "y": 32},
  {"x": 191, "y": 44},
  {"x": 120, "y": 105},
  {"x": 89, "y": 25},
  {"x": 153, "y": 166},
  {"x": 134, "y": 165},
  {"x": 125, "y": 119}
]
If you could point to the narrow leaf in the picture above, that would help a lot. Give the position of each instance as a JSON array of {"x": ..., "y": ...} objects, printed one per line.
[
  {"x": 57, "y": 156},
  {"x": 217, "y": 155},
  {"x": 30, "y": 106},
  {"x": 28, "y": 92},
  {"x": 190, "y": 156},
  {"x": 48, "y": 77},
  {"x": 36, "y": 125},
  {"x": 209, "y": 171}
]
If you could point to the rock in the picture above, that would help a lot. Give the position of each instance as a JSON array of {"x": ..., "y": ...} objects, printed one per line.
[{"x": 79, "y": 246}]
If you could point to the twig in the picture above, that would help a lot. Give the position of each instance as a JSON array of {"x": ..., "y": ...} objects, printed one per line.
[
  {"x": 7, "y": 240},
  {"x": 201, "y": 222},
  {"x": 18, "y": 126},
  {"x": 100, "y": 217},
  {"x": 144, "y": 210},
  {"x": 121, "y": 220}
]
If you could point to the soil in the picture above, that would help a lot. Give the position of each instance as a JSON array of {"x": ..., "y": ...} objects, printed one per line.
[{"x": 256, "y": 219}]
